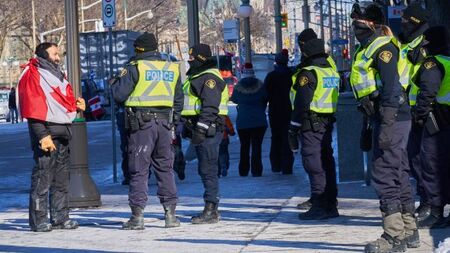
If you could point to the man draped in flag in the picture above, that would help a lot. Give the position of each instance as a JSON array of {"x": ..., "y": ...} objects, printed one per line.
[{"x": 47, "y": 101}]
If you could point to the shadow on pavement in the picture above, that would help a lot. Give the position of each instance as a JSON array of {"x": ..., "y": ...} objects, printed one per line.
[
  {"x": 28, "y": 249},
  {"x": 276, "y": 243}
]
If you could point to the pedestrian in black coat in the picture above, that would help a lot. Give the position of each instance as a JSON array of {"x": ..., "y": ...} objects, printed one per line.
[{"x": 278, "y": 83}]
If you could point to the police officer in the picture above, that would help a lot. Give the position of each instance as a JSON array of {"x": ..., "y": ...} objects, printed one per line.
[
  {"x": 305, "y": 36},
  {"x": 205, "y": 104},
  {"x": 152, "y": 92},
  {"x": 433, "y": 111},
  {"x": 314, "y": 97},
  {"x": 414, "y": 23},
  {"x": 376, "y": 84}
]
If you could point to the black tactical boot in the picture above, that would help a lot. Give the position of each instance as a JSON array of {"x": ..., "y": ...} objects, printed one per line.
[
  {"x": 209, "y": 215},
  {"x": 136, "y": 221},
  {"x": 318, "y": 210},
  {"x": 434, "y": 220},
  {"x": 385, "y": 244},
  {"x": 68, "y": 224},
  {"x": 422, "y": 211},
  {"x": 332, "y": 209},
  {"x": 305, "y": 205},
  {"x": 44, "y": 227},
  {"x": 170, "y": 218}
]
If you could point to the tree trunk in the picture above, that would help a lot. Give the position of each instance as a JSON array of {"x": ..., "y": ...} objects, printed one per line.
[{"x": 439, "y": 12}]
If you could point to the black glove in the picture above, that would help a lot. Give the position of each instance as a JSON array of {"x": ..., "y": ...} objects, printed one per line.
[
  {"x": 366, "y": 106},
  {"x": 293, "y": 138},
  {"x": 388, "y": 118},
  {"x": 199, "y": 134}
]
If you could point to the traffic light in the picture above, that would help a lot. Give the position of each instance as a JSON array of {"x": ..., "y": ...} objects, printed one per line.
[{"x": 284, "y": 20}]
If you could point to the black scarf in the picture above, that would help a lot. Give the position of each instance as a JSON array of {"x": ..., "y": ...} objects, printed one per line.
[
  {"x": 196, "y": 67},
  {"x": 52, "y": 67}
]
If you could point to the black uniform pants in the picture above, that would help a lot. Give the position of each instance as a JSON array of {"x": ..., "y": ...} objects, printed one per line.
[
  {"x": 208, "y": 155},
  {"x": 251, "y": 138},
  {"x": 281, "y": 157},
  {"x": 390, "y": 173},
  {"x": 50, "y": 175},
  {"x": 151, "y": 145},
  {"x": 435, "y": 154},
  {"x": 318, "y": 161},
  {"x": 415, "y": 163}
]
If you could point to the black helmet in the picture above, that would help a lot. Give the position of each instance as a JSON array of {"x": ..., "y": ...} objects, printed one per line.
[{"x": 369, "y": 11}]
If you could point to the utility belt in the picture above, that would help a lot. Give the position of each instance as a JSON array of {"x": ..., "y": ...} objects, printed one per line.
[
  {"x": 370, "y": 106},
  {"x": 315, "y": 121},
  {"x": 136, "y": 118},
  {"x": 213, "y": 127}
]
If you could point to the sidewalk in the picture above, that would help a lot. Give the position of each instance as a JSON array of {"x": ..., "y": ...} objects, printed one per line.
[{"x": 258, "y": 215}]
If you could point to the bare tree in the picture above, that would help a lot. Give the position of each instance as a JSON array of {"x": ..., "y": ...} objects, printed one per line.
[
  {"x": 212, "y": 18},
  {"x": 9, "y": 20}
]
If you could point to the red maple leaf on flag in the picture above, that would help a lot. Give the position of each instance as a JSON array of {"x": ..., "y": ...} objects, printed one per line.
[{"x": 67, "y": 101}]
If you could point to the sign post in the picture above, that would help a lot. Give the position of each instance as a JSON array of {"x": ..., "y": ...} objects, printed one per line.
[
  {"x": 109, "y": 21},
  {"x": 231, "y": 30}
]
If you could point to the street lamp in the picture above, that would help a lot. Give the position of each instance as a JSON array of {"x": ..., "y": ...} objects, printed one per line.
[
  {"x": 149, "y": 16},
  {"x": 244, "y": 12},
  {"x": 10, "y": 63}
]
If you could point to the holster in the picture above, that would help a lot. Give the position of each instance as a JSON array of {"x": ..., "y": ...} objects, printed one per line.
[
  {"x": 314, "y": 121},
  {"x": 132, "y": 120},
  {"x": 212, "y": 130}
]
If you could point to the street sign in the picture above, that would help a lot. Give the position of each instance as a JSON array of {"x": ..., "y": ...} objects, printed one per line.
[
  {"x": 109, "y": 13},
  {"x": 230, "y": 30},
  {"x": 340, "y": 42}
]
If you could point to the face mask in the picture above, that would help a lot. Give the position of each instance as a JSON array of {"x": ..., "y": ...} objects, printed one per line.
[
  {"x": 362, "y": 31},
  {"x": 408, "y": 28},
  {"x": 194, "y": 64}
]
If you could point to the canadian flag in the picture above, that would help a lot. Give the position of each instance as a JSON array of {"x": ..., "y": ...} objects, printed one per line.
[
  {"x": 43, "y": 96},
  {"x": 96, "y": 107}
]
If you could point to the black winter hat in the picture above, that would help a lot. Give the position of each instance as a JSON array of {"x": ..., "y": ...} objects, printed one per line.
[
  {"x": 306, "y": 35},
  {"x": 146, "y": 42},
  {"x": 438, "y": 40},
  {"x": 369, "y": 11},
  {"x": 201, "y": 52},
  {"x": 415, "y": 14},
  {"x": 313, "y": 47}
]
